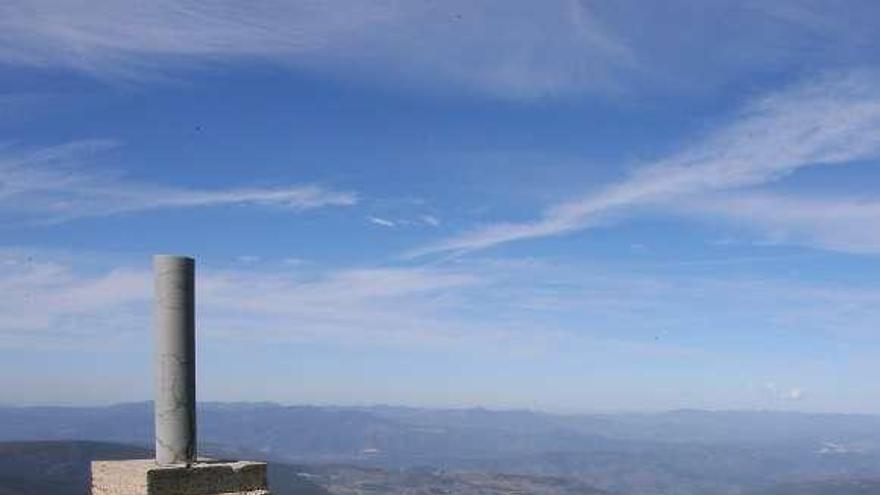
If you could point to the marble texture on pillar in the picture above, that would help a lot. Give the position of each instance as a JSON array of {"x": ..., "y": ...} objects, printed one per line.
[{"x": 174, "y": 322}]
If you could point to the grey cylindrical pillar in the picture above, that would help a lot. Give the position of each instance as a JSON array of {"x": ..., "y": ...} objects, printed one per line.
[{"x": 175, "y": 355}]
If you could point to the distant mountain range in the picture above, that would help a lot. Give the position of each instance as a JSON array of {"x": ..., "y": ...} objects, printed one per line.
[{"x": 681, "y": 452}]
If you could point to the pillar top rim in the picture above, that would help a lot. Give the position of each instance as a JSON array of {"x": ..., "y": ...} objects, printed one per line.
[{"x": 177, "y": 257}]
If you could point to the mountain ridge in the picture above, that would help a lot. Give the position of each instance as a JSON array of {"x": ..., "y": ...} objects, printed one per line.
[{"x": 692, "y": 452}]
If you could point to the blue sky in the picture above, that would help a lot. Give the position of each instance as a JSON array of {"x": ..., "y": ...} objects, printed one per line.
[{"x": 565, "y": 206}]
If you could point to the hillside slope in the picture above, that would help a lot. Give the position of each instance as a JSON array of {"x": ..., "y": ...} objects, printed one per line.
[{"x": 62, "y": 468}]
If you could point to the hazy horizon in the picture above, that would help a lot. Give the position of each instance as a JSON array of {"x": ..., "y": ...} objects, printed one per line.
[{"x": 463, "y": 407}]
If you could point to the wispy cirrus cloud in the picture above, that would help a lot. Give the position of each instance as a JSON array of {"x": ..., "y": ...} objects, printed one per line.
[
  {"x": 580, "y": 320},
  {"x": 832, "y": 120},
  {"x": 49, "y": 304},
  {"x": 512, "y": 48},
  {"x": 409, "y": 221},
  {"x": 52, "y": 301},
  {"x": 384, "y": 222},
  {"x": 838, "y": 224},
  {"x": 54, "y": 184},
  {"x": 500, "y": 47}
]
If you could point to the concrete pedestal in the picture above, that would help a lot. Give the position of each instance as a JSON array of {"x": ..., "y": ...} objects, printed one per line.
[{"x": 145, "y": 477}]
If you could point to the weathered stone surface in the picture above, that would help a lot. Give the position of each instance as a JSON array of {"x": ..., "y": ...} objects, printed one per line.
[
  {"x": 145, "y": 477},
  {"x": 175, "y": 354}
]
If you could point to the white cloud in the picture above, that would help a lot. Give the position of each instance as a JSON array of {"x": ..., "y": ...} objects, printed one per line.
[
  {"x": 498, "y": 46},
  {"x": 430, "y": 220},
  {"x": 378, "y": 306},
  {"x": 52, "y": 303},
  {"x": 294, "y": 261},
  {"x": 53, "y": 184},
  {"x": 381, "y": 221},
  {"x": 421, "y": 221},
  {"x": 556, "y": 319},
  {"x": 792, "y": 394},
  {"x": 501, "y": 47},
  {"x": 45, "y": 303},
  {"x": 833, "y": 120},
  {"x": 495, "y": 303},
  {"x": 837, "y": 224}
]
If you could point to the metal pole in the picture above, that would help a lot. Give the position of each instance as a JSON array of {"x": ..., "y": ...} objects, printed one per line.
[{"x": 175, "y": 355}]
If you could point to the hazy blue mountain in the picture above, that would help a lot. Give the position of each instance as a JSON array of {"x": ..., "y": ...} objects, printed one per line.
[
  {"x": 680, "y": 452},
  {"x": 322, "y": 433},
  {"x": 353, "y": 427}
]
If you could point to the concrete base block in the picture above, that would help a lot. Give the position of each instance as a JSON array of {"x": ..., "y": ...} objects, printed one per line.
[{"x": 145, "y": 477}]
